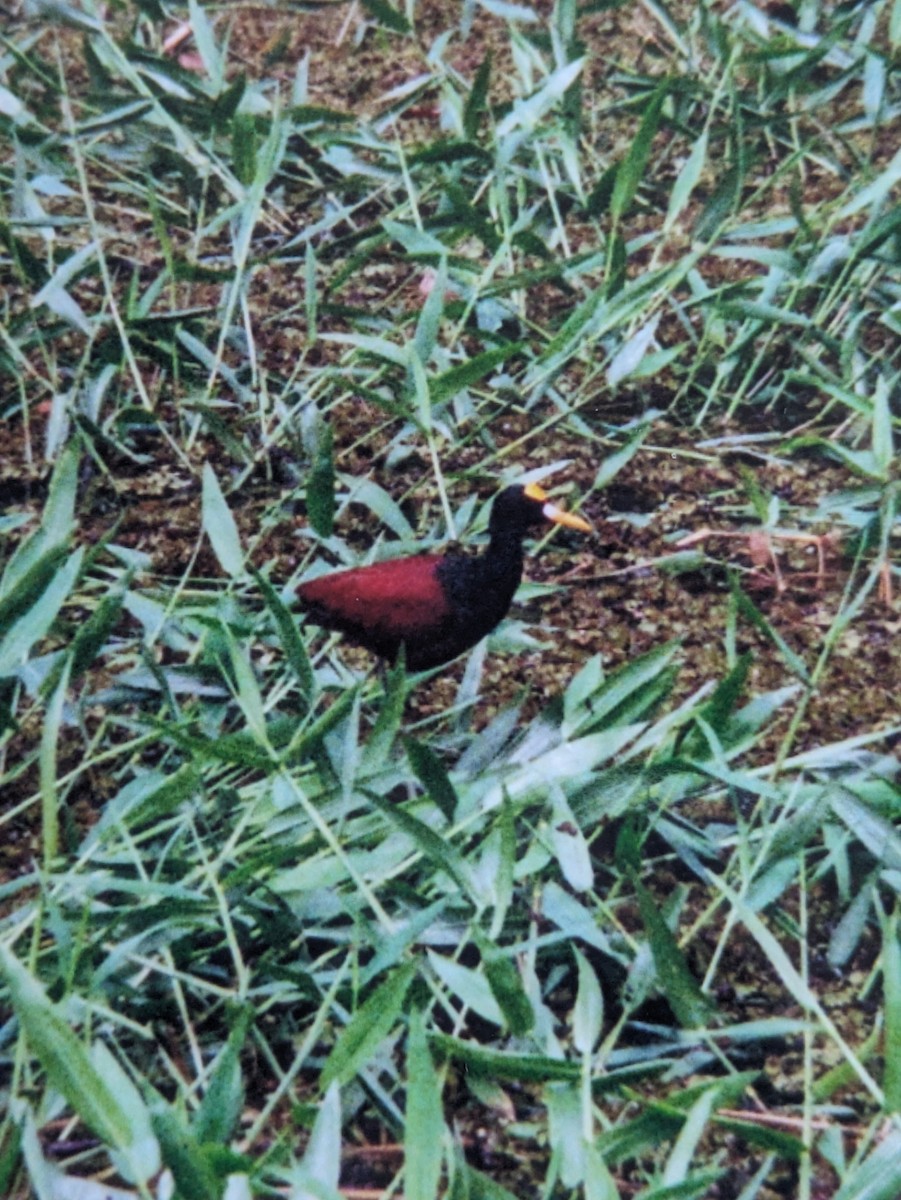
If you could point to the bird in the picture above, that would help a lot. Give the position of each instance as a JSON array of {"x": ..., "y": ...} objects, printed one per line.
[{"x": 435, "y": 606}]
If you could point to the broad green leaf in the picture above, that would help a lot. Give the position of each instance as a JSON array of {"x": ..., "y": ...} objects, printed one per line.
[
  {"x": 867, "y": 825},
  {"x": 311, "y": 290},
  {"x": 569, "y": 764},
  {"x": 368, "y": 1027},
  {"x": 878, "y": 1177},
  {"x": 883, "y": 440},
  {"x": 47, "y": 764},
  {"x": 614, "y": 463},
  {"x": 417, "y": 242},
  {"x": 46, "y": 1181},
  {"x": 223, "y": 1098},
  {"x": 469, "y": 986},
  {"x": 846, "y": 935},
  {"x": 321, "y": 484},
  {"x": 891, "y": 987},
  {"x": 379, "y": 502},
  {"x": 478, "y": 94},
  {"x": 182, "y": 1153},
  {"x": 616, "y": 266},
  {"x": 758, "y": 310},
  {"x": 308, "y": 739},
  {"x": 47, "y": 543},
  {"x": 322, "y": 1158},
  {"x": 421, "y": 387},
  {"x": 529, "y": 1068},
  {"x": 699, "y": 1185},
  {"x": 689, "y": 1004},
  {"x": 507, "y": 10},
  {"x": 214, "y": 364},
  {"x": 720, "y": 203},
  {"x": 502, "y": 876},
  {"x": 641, "y": 1136},
  {"x": 453, "y": 380},
  {"x": 114, "y": 1113},
  {"x": 687, "y": 179},
  {"x": 599, "y": 1183},
  {"x": 55, "y": 296},
  {"x": 569, "y": 845},
  {"x": 23, "y": 588},
  {"x": 475, "y": 1185},
  {"x": 387, "y": 16},
  {"x": 437, "y": 849},
  {"x": 91, "y": 637},
  {"x": 566, "y": 1131},
  {"x": 874, "y": 84},
  {"x": 150, "y": 795},
  {"x": 205, "y": 41},
  {"x": 431, "y": 773},
  {"x": 426, "y": 336},
  {"x": 11, "y": 106},
  {"x": 447, "y": 151},
  {"x": 388, "y": 720},
  {"x": 58, "y": 516},
  {"x": 390, "y": 948},
  {"x": 572, "y": 918},
  {"x": 588, "y": 1012},
  {"x": 873, "y": 195},
  {"x": 246, "y": 688},
  {"x": 525, "y": 114},
  {"x": 229, "y": 100},
  {"x": 35, "y": 624},
  {"x": 696, "y": 1125},
  {"x": 220, "y": 526},
  {"x": 602, "y": 193},
  {"x": 139, "y": 1159},
  {"x": 377, "y": 347},
  {"x": 627, "y": 359}
]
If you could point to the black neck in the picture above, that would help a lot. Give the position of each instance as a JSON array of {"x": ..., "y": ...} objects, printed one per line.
[
  {"x": 482, "y": 588},
  {"x": 503, "y": 561}
]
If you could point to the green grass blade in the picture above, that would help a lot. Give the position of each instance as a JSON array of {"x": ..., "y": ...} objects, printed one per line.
[
  {"x": 50, "y": 736},
  {"x": 322, "y": 1158},
  {"x": 192, "y": 1171},
  {"x": 631, "y": 170},
  {"x": 219, "y": 525},
  {"x": 424, "y": 1132},
  {"x": 292, "y": 643},
  {"x": 891, "y": 983},
  {"x": 507, "y": 988}
]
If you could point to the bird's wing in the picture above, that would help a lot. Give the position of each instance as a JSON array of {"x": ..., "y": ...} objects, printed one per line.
[{"x": 401, "y": 598}]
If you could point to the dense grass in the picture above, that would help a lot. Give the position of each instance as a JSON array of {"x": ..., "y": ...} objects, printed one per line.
[{"x": 262, "y": 910}]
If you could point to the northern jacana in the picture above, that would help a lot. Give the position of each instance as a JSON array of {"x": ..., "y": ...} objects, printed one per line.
[{"x": 435, "y": 605}]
